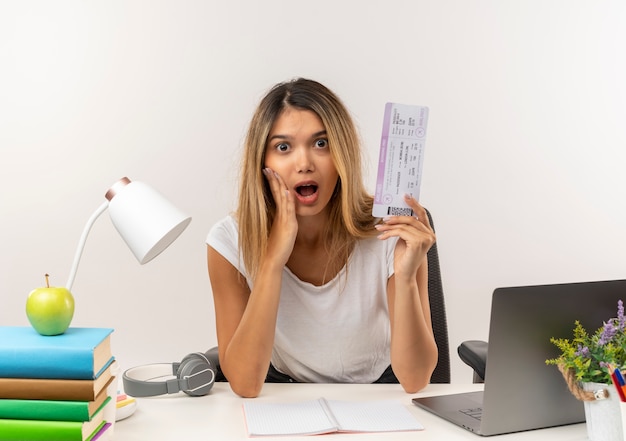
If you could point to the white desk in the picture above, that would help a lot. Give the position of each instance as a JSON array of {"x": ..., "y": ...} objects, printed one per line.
[{"x": 219, "y": 415}]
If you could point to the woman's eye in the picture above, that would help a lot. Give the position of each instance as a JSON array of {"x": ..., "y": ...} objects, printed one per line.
[
  {"x": 282, "y": 147},
  {"x": 321, "y": 143}
]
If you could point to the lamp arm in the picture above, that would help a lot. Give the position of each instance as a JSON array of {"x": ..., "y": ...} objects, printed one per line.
[{"x": 81, "y": 243}]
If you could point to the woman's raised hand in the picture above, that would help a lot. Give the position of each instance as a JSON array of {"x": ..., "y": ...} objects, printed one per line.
[
  {"x": 416, "y": 237},
  {"x": 285, "y": 226}
]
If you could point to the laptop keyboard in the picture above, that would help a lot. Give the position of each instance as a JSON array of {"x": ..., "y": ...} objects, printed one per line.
[{"x": 476, "y": 412}]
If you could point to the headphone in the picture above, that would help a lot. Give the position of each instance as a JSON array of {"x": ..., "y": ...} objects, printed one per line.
[{"x": 195, "y": 375}]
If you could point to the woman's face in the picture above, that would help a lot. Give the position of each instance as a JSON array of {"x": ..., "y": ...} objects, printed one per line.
[{"x": 297, "y": 149}]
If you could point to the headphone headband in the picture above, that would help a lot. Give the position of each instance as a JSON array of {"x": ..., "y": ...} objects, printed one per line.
[{"x": 194, "y": 376}]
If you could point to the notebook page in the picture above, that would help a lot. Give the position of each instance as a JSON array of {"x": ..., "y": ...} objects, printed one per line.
[
  {"x": 304, "y": 418},
  {"x": 373, "y": 416}
]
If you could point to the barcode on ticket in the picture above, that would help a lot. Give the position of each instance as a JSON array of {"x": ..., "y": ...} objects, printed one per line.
[{"x": 399, "y": 211}]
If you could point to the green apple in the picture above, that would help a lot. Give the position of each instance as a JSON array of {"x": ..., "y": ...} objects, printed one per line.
[{"x": 50, "y": 309}]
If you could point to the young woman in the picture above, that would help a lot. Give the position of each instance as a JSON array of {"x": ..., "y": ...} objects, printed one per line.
[{"x": 307, "y": 285}]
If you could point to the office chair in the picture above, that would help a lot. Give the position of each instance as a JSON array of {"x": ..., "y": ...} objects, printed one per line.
[
  {"x": 474, "y": 354},
  {"x": 441, "y": 374}
]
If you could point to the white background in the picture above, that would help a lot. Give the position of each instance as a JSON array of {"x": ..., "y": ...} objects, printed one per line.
[{"x": 524, "y": 163}]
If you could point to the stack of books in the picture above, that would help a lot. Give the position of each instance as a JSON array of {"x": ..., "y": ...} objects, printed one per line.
[{"x": 60, "y": 387}]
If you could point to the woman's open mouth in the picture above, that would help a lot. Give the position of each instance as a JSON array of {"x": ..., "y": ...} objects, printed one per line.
[{"x": 307, "y": 193}]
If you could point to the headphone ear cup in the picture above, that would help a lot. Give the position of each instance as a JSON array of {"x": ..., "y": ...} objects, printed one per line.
[{"x": 196, "y": 365}]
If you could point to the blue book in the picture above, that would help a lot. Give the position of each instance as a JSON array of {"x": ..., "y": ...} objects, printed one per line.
[{"x": 77, "y": 354}]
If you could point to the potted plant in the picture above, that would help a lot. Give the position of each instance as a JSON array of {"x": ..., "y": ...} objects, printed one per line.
[{"x": 586, "y": 362}]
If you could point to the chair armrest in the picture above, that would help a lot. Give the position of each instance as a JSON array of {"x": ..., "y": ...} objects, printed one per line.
[{"x": 474, "y": 354}]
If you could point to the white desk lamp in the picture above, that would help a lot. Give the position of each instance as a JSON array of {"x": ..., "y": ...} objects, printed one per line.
[{"x": 147, "y": 221}]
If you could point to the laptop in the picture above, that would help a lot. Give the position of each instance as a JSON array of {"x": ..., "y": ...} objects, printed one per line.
[{"x": 521, "y": 392}]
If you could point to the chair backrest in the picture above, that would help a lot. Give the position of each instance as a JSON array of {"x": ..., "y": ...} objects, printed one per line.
[{"x": 441, "y": 373}]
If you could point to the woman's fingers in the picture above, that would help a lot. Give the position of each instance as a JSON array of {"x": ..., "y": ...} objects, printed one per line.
[
  {"x": 414, "y": 230},
  {"x": 420, "y": 212},
  {"x": 285, "y": 226},
  {"x": 277, "y": 186}
]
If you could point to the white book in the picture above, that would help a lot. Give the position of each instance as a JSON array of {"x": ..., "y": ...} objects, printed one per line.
[{"x": 316, "y": 417}]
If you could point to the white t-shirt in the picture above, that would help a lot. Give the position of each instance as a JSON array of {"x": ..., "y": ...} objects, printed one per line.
[{"x": 337, "y": 332}]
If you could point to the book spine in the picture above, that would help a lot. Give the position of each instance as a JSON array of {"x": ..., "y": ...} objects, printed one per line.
[
  {"x": 22, "y": 388},
  {"x": 38, "y": 430},
  {"x": 99, "y": 432},
  {"x": 61, "y": 368},
  {"x": 45, "y": 410},
  {"x": 48, "y": 363}
]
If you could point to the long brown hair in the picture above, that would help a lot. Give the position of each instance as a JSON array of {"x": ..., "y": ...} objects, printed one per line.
[{"x": 350, "y": 207}]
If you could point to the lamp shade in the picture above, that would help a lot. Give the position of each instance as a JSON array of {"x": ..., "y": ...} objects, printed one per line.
[{"x": 147, "y": 221}]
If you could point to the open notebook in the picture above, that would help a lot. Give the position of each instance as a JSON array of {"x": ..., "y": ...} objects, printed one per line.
[{"x": 315, "y": 417}]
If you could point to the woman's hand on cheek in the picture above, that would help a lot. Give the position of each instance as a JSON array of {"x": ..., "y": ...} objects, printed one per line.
[{"x": 285, "y": 226}]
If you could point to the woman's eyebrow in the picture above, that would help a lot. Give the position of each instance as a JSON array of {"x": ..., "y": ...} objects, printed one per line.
[
  {"x": 318, "y": 134},
  {"x": 279, "y": 136}
]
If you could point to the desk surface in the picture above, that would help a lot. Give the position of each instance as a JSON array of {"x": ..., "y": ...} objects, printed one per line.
[{"x": 219, "y": 415}]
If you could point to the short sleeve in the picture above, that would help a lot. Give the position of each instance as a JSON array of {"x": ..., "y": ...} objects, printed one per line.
[{"x": 223, "y": 237}]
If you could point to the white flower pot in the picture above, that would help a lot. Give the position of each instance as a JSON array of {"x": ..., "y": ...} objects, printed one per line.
[{"x": 603, "y": 417}]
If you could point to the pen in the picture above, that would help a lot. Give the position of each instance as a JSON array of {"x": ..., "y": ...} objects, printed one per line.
[{"x": 618, "y": 381}]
